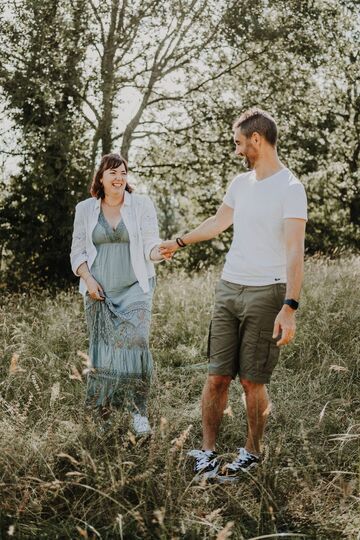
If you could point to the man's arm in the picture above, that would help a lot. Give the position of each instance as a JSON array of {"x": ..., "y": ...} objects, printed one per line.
[
  {"x": 208, "y": 229},
  {"x": 294, "y": 242},
  {"x": 294, "y": 245}
]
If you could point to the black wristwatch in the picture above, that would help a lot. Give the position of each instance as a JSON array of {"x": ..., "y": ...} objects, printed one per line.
[
  {"x": 292, "y": 303},
  {"x": 180, "y": 242}
]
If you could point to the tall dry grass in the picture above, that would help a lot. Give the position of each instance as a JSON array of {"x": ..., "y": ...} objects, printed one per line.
[{"x": 62, "y": 478}]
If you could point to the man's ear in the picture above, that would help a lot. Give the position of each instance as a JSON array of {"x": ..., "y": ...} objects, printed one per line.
[{"x": 256, "y": 138}]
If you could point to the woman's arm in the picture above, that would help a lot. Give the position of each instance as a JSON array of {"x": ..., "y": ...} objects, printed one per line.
[
  {"x": 150, "y": 232},
  {"x": 78, "y": 256},
  {"x": 78, "y": 245},
  {"x": 94, "y": 288}
]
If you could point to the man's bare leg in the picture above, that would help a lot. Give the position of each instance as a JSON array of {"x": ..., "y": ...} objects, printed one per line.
[
  {"x": 213, "y": 403},
  {"x": 257, "y": 408}
]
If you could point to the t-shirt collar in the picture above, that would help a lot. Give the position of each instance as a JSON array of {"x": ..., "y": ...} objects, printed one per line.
[{"x": 269, "y": 177}]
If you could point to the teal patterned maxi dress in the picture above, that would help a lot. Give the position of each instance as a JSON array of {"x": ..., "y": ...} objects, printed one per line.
[{"x": 119, "y": 326}]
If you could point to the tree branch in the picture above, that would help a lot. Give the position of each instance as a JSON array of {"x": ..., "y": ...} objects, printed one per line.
[
  {"x": 203, "y": 83},
  {"x": 98, "y": 18},
  {"x": 92, "y": 107}
]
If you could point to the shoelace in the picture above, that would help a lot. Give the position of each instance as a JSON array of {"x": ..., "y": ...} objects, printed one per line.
[
  {"x": 243, "y": 458},
  {"x": 203, "y": 459}
]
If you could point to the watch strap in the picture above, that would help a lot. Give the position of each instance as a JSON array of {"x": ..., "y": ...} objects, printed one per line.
[{"x": 291, "y": 302}]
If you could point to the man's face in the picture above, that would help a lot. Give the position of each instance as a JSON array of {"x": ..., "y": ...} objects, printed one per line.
[{"x": 245, "y": 148}]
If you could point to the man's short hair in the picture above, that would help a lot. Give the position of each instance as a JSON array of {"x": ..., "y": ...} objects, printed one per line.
[{"x": 259, "y": 121}]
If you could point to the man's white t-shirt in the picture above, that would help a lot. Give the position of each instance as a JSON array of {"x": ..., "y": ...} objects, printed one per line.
[{"x": 257, "y": 254}]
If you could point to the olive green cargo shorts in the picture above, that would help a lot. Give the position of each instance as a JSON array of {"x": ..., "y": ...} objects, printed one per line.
[{"x": 240, "y": 336}]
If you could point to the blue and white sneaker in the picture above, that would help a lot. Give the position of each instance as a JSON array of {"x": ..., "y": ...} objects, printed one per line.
[
  {"x": 243, "y": 463},
  {"x": 206, "y": 463},
  {"x": 141, "y": 425}
]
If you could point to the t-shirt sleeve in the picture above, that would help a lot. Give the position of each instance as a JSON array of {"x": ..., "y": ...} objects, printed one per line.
[
  {"x": 229, "y": 198},
  {"x": 295, "y": 203}
]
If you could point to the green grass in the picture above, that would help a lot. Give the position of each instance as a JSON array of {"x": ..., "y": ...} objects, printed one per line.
[{"x": 60, "y": 478}]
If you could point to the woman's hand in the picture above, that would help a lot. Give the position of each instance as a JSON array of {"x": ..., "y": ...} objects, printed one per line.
[
  {"x": 94, "y": 288},
  {"x": 157, "y": 255},
  {"x": 168, "y": 248}
]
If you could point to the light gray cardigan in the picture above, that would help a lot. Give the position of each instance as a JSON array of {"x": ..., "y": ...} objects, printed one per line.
[{"x": 139, "y": 215}]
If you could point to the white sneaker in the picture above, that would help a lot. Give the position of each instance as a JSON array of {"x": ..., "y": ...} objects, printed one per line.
[
  {"x": 206, "y": 464},
  {"x": 140, "y": 424},
  {"x": 243, "y": 463}
]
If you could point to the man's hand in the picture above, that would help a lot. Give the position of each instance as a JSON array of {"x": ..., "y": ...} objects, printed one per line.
[
  {"x": 94, "y": 289},
  {"x": 285, "y": 324},
  {"x": 168, "y": 248}
]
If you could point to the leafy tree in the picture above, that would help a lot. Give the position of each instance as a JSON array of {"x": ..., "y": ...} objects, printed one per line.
[
  {"x": 72, "y": 61},
  {"x": 187, "y": 68},
  {"x": 43, "y": 46},
  {"x": 293, "y": 59},
  {"x": 141, "y": 47}
]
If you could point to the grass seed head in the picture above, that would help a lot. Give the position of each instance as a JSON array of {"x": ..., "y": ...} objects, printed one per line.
[
  {"x": 14, "y": 367},
  {"x": 75, "y": 374},
  {"x": 226, "y": 531},
  {"x": 179, "y": 442}
]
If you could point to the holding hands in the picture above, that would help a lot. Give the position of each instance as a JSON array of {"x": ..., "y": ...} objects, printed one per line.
[
  {"x": 165, "y": 250},
  {"x": 168, "y": 248},
  {"x": 157, "y": 253}
]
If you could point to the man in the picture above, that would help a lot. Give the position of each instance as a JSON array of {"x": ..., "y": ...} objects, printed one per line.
[{"x": 257, "y": 296}]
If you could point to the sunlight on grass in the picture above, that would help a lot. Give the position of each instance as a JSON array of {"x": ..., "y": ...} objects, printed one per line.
[{"x": 62, "y": 477}]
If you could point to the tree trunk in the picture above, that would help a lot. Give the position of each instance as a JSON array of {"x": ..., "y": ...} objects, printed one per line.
[{"x": 107, "y": 80}]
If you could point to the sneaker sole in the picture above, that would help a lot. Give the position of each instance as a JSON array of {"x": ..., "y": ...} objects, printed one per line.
[
  {"x": 226, "y": 479},
  {"x": 142, "y": 433},
  {"x": 223, "y": 479},
  {"x": 209, "y": 475}
]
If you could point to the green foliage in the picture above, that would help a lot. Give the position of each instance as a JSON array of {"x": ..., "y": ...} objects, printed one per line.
[
  {"x": 192, "y": 67},
  {"x": 297, "y": 60},
  {"x": 61, "y": 477},
  {"x": 43, "y": 90}
]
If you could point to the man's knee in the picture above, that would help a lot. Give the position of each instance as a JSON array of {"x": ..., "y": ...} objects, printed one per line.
[
  {"x": 218, "y": 383},
  {"x": 250, "y": 386}
]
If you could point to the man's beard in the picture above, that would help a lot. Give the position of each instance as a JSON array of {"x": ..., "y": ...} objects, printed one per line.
[{"x": 247, "y": 163}]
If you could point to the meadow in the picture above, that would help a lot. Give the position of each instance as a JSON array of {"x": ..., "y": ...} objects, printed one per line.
[{"x": 62, "y": 477}]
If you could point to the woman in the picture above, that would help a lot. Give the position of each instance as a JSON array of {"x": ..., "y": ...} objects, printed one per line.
[{"x": 115, "y": 240}]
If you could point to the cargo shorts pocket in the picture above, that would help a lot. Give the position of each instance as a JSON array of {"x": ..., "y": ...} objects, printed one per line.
[{"x": 267, "y": 353}]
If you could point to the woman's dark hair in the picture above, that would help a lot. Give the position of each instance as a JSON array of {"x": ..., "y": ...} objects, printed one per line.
[{"x": 109, "y": 161}]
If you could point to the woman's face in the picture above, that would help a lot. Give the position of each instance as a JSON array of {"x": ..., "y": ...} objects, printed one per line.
[{"x": 114, "y": 180}]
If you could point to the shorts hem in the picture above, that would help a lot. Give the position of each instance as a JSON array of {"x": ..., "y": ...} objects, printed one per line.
[
  {"x": 261, "y": 379},
  {"x": 212, "y": 371}
]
